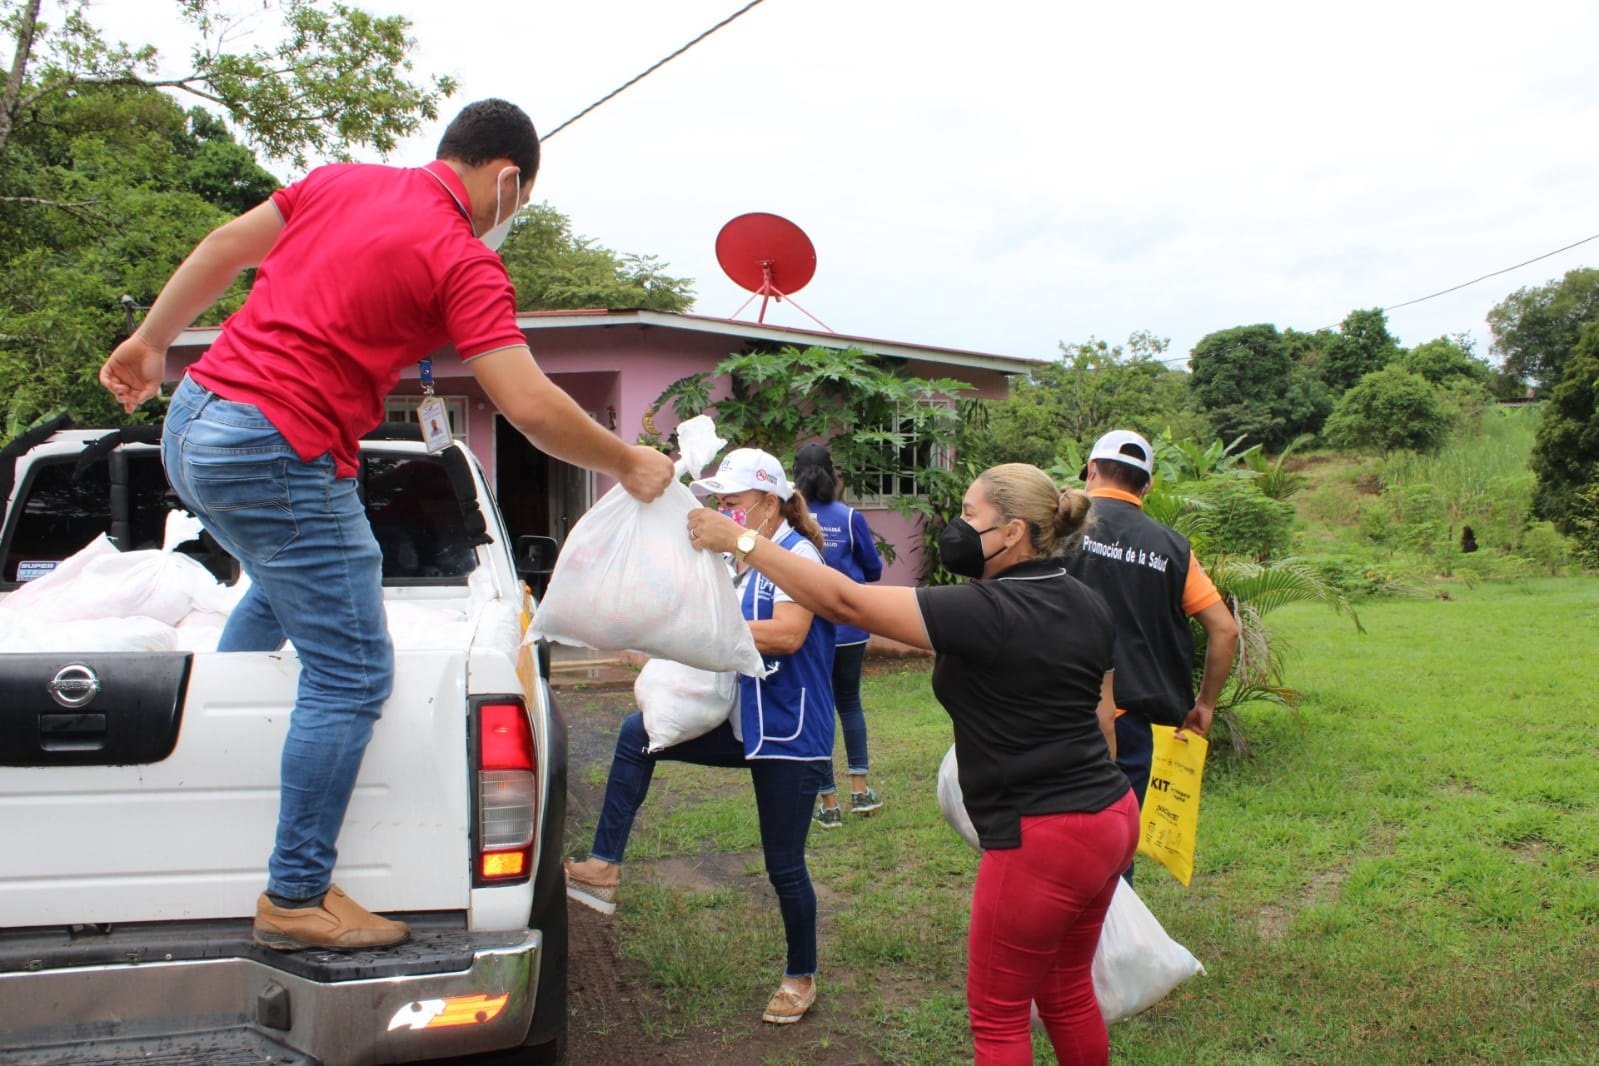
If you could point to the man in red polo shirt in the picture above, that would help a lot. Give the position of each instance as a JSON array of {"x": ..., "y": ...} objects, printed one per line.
[{"x": 362, "y": 271}]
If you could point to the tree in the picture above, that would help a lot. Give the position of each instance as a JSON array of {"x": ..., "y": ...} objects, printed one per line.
[
  {"x": 1249, "y": 382},
  {"x": 1535, "y": 329},
  {"x": 1444, "y": 360},
  {"x": 336, "y": 80},
  {"x": 1094, "y": 386},
  {"x": 146, "y": 181},
  {"x": 1388, "y": 410},
  {"x": 1565, "y": 451},
  {"x": 555, "y": 270},
  {"x": 1361, "y": 345},
  {"x": 106, "y": 183}
]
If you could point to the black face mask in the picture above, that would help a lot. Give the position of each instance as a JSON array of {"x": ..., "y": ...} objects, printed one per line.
[{"x": 960, "y": 548}]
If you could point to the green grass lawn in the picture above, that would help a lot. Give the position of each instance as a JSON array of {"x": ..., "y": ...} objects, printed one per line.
[{"x": 1406, "y": 870}]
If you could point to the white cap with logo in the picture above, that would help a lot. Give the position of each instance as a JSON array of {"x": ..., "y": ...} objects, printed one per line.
[
  {"x": 1124, "y": 446},
  {"x": 744, "y": 469}
]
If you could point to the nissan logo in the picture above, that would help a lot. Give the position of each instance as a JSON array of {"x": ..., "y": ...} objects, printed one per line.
[{"x": 74, "y": 686}]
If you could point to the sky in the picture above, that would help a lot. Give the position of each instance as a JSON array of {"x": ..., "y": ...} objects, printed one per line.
[{"x": 1006, "y": 175}]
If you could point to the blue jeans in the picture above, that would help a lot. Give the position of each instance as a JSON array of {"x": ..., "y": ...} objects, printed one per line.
[
  {"x": 1135, "y": 749},
  {"x": 301, "y": 534},
  {"x": 847, "y": 663},
  {"x": 784, "y": 789}
]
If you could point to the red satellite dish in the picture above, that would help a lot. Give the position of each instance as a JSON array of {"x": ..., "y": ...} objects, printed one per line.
[{"x": 770, "y": 256}]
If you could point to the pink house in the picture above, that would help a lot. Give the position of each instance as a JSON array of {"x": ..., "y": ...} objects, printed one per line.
[{"x": 615, "y": 364}]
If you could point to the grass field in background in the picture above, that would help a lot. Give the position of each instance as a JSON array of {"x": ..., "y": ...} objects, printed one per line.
[{"x": 1406, "y": 870}]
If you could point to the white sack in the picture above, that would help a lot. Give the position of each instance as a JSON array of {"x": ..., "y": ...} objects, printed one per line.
[
  {"x": 950, "y": 803},
  {"x": 20, "y": 633},
  {"x": 101, "y": 582},
  {"x": 1137, "y": 964},
  {"x": 629, "y": 579},
  {"x": 682, "y": 702}
]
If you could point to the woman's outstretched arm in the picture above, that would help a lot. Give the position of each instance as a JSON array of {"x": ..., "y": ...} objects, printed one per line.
[{"x": 889, "y": 611}]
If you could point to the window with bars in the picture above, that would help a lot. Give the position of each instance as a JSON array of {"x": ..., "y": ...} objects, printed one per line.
[{"x": 897, "y": 460}]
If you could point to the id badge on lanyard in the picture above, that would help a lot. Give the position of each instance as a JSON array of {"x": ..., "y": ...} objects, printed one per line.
[{"x": 431, "y": 413}]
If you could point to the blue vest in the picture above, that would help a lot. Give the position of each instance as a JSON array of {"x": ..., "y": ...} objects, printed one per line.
[
  {"x": 789, "y": 713},
  {"x": 840, "y": 551}
]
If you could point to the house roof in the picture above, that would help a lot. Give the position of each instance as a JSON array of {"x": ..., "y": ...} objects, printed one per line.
[{"x": 598, "y": 318}]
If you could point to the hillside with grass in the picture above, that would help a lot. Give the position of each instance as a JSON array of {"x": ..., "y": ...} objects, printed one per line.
[{"x": 1399, "y": 523}]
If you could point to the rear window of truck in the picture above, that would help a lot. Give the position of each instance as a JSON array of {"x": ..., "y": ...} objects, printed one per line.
[{"x": 420, "y": 524}]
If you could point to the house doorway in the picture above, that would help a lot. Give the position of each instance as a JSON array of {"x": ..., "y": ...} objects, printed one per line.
[{"x": 536, "y": 493}]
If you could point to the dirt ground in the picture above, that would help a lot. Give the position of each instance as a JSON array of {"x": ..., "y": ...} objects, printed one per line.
[{"x": 609, "y": 996}]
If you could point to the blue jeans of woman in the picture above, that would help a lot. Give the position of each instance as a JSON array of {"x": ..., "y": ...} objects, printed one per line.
[
  {"x": 848, "y": 660},
  {"x": 784, "y": 790},
  {"x": 301, "y": 534}
]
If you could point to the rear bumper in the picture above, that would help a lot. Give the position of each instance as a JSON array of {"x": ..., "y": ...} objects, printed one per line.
[{"x": 446, "y": 993}]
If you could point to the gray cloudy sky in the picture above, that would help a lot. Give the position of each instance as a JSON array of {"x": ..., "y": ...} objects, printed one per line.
[{"x": 1006, "y": 174}]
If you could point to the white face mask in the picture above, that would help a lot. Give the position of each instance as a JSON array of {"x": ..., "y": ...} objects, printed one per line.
[{"x": 496, "y": 234}]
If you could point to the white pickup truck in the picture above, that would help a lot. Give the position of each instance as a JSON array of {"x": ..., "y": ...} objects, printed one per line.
[{"x": 138, "y": 798}]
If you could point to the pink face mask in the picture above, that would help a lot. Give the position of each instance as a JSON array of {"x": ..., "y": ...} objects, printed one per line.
[{"x": 737, "y": 514}]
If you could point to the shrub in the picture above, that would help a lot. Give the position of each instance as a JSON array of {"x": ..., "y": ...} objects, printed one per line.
[
  {"x": 1360, "y": 577},
  {"x": 1236, "y": 518},
  {"x": 1545, "y": 547},
  {"x": 1388, "y": 410},
  {"x": 1584, "y": 519}
]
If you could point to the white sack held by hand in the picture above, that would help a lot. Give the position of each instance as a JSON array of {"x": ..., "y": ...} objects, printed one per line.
[
  {"x": 1136, "y": 964},
  {"x": 629, "y": 579},
  {"x": 950, "y": 803}
]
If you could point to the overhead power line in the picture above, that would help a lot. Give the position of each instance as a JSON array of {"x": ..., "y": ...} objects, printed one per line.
[
  {"x": 651, "y": 70},
  {"x": 1495, "y": 274},
  {"x": 1443, "y": 292}
]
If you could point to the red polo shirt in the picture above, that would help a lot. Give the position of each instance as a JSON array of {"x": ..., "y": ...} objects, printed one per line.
[{"x": 376, "y": 268}]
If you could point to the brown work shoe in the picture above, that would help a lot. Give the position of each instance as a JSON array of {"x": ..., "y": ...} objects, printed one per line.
[{"x": 339, "y": 923}]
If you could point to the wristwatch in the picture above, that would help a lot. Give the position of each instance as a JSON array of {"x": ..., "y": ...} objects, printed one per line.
[{"x": 745, "y": 543}]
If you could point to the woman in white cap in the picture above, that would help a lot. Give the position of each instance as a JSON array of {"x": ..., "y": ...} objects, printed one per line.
[
  {"x": 1023, "y": 668},
  {"x": 782, "y": 730}
]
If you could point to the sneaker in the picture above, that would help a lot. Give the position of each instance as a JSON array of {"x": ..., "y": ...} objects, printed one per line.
[
  {"x": 828, "y": 818},
  {"x": 787, "y": 1007},
  {"x": 599, "y": 897},
  {"x": 864, "y": 802},
  {"x": 338, "y": 923}
]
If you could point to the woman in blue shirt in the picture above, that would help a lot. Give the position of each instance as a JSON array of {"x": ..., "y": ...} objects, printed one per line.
[
  {"x": 848, "y": 547},
  {"x": 781, "y": 731}
]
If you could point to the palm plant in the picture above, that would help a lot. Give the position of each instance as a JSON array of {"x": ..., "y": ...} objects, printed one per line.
[{"x": 1253, "y": 590}]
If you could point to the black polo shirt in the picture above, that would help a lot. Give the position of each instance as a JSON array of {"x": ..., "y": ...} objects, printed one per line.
[{"x": 1020, "y": 661}]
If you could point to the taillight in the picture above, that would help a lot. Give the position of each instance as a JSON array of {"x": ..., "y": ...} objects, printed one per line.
[{"x": 507, "y": 792}]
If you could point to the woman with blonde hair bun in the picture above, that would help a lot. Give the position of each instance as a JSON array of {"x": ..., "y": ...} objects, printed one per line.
[{"x": 1022, "y": 666}]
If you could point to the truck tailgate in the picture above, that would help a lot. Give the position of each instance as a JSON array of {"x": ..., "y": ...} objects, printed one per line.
[{"x": 72, "y": 850}]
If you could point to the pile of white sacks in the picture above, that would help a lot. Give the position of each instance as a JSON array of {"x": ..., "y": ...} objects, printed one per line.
[{"x": 102, "y": 599}]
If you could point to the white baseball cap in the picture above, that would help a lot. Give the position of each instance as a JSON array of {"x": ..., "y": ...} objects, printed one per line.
[
  {"x": 744, "y": 469},
  {"x": 1124, "y": 446}
]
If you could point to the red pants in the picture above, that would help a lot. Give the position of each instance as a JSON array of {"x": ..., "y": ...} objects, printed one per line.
[{"x": 1036, "y": 914}]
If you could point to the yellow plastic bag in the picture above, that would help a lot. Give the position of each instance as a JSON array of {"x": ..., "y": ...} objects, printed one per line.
[{"x": 1171, "y": 806}]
